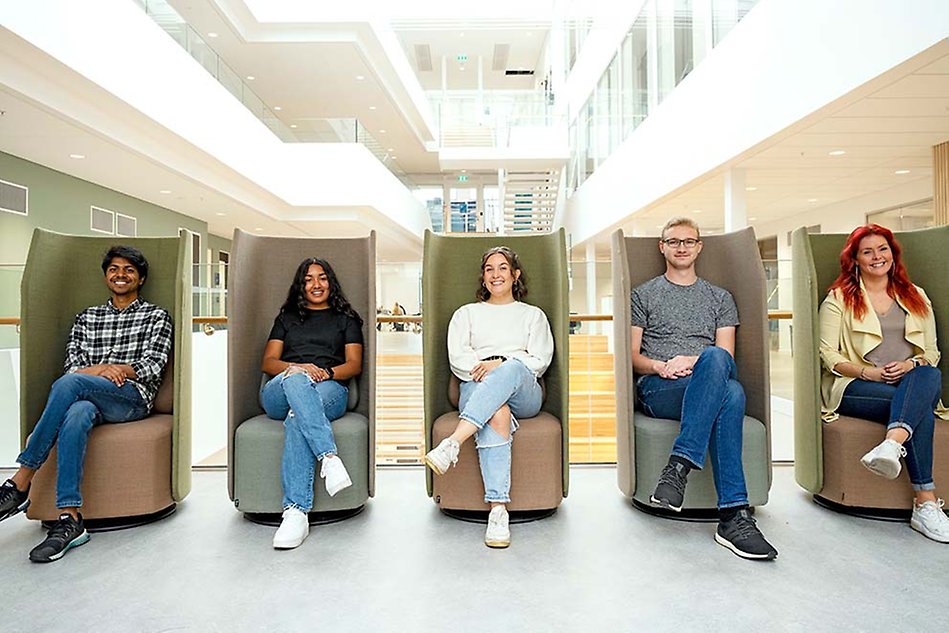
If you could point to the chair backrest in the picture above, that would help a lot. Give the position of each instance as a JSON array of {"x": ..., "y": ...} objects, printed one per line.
[
  {"x": 731, "y": 261},
  {"x": 450, "y": 272},
  {"x": 815, "y": 263},
  {"x": 261, "y": 271},
  {"x": 63, "y": 276}
]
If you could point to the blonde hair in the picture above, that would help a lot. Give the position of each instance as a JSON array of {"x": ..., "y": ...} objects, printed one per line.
[{"x": 681, "y": 221}]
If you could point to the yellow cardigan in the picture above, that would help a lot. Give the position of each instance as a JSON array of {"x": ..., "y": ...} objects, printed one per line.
[{"x": 844, "y": 338}]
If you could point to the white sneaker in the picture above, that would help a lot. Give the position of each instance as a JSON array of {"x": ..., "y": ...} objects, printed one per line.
[
  {"x": 498, "y": 533},
  {"x": 930, "y": 521},
  {"x": 334, "y": 472},
  {"x": 443, "y": 456},
  {"x": 293, "y": 529},
  {"x": 884, "y": 459}
]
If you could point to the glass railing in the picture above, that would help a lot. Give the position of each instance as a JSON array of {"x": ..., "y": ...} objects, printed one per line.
[
  {"x": 495, "y": 118},
  {"x": 310, "y": 130}
]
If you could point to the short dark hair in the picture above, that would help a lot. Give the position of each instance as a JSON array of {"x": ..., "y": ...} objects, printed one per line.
[{"x": 132, "y": 254}]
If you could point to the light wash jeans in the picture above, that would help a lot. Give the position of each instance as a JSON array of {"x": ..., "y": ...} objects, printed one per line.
[
  {"x": 711, "y": 406},
  {"x": 76, "y": 403},
  {"x": 307, "y": 408},
  {"x": 908, "y": 405},
  {"x": 513, "y": 384}
]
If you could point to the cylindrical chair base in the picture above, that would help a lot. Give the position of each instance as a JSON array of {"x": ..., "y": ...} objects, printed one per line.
[
  {"x": 896, "y": 515},
  {"x": 313, "y": 518},
  {"x": 481, "y": 516},
  {"x": 693, "y": 515}
]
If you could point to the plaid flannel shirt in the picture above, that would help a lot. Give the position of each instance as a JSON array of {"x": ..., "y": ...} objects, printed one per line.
[{"x": 139, "y": 335}]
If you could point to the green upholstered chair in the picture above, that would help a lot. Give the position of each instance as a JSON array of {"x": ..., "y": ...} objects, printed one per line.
[
  {"x": 261, "y": 271},
  {"x": 136, "y": 471},
  {"x": 643, "y": 444},
  {"x": 827, "y": 455},
  {"x": 539, "y": 468}
]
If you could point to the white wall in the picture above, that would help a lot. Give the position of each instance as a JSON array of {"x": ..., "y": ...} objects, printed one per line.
[
  {"x": 401, "y": 282},
  {"x": 785, "y": 60},
  {"x": 9, "y": 406}
]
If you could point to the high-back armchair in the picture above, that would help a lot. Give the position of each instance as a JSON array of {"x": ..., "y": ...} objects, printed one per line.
[
  {"x": 643, "y": 444},
  {"x": 261, "y": 271},
  {"x": 450, "y": 273},
  {"x": 135, "y": 471},
  {"x": 827, "y": 455}
]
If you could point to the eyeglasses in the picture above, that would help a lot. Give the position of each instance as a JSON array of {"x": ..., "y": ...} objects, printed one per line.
[{"x": 674, "y": 242}]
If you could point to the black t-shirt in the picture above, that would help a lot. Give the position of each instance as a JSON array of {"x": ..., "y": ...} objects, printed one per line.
[{"x": 321, "y": 337}]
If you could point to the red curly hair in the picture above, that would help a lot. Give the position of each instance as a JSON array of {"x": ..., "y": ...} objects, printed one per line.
[{"x": 899, "y": 286}]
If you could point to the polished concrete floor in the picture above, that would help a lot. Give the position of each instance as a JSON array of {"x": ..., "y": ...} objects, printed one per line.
[{"x": 596, "y": 565}]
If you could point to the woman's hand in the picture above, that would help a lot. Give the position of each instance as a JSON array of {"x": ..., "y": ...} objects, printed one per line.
[
  {"x": 485, "y": 367},
  {"x": 894, "y": 372},
  {"x": 318, "y": 374}
]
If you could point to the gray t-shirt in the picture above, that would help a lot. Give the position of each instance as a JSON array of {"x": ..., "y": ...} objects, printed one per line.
[{"x": 680, "y": 320}]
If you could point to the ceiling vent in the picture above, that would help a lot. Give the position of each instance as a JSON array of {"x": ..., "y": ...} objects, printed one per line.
[
  {"x": 501, "y": 53},
  {"x": 423, "y": 57},
  {"x": 516, "y": 72}
]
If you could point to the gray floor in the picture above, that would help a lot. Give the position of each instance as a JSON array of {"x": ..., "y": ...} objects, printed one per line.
[{"x": 597, "y": 564}]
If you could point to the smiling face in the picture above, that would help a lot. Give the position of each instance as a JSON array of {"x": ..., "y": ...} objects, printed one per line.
[
  {"x": 498, "y": 277},
  {"x": 316, "y": 288},
  {"x": 874, "y": 257},
  {"x": 680, "y": 257},
  {"x": 123, "y": 280}
]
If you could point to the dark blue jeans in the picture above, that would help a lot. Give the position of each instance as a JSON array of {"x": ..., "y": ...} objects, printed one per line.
[
  {"x": 76, "y": 403},
  {"x": 710, "y": 403},
  {"x": 909, "y": 405}
]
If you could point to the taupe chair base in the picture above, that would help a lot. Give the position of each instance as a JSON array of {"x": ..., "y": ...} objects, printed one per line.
[
  {"x": 690, "y": 515},
  {"x": 114, "y": 524},
  {"x": 896, "y": 515},
  {"x": 480, "y": 516},
  {"x": 313, "y": 518}
]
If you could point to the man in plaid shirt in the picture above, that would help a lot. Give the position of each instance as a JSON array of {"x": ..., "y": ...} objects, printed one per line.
[{"x": 115, "y": 358}]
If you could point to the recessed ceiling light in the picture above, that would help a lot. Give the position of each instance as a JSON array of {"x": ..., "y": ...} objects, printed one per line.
[
  {"x": 382, "y": 131},
  {"x": 212, "y": 34},
  {"x": 751, "y": 189},
  {"x": 372, "y": 107},
  {"x": 462, "y": 34},
  {"x": 696, "y": 210},
  {"x": 220, "y": 213},
  {"x": 752, "y": 219},
  {"x": 812, "y": 199},
  {"x": 461, "y": 68},
  {"x": 165, "y": 191},
  {"x": 837, "y": 152},
  {"x": 464, "y": 170},
  {"x": 277, "y": 108},
  {"x": 395, "y": 158},
  {"x": 251, "y": 78},
  {"x": 391, "y": 149},
  {"x": 77, "y": 156},
  {"x": 359, "y": 77},
  {"x": 901, "y": 171},
  {"x": 258, "y": 229},
  {"x": 293, "y": 125}
]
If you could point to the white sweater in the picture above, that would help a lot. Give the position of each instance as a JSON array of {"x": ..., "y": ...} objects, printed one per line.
[{"x": 515, "y": 330}]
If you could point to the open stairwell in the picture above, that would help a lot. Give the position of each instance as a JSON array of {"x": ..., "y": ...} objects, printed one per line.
[{"x": 530, "y": 201}]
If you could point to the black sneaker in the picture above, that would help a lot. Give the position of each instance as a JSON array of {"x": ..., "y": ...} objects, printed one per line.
[
  {"x": 670, "y": 491},
  {"x": 740, "y": 534},
  {"x": 12, "y": 501},
  {"x": 65, "y": 534}
]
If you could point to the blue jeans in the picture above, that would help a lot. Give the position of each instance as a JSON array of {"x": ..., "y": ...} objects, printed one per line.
[
  {"x": 307, "y": 408},
  {"x": 513, "y": 384},
  {"x": 908, "y": 405},
  {"x": 76, "y": 403},
  {"x": 711, "y": 406}
]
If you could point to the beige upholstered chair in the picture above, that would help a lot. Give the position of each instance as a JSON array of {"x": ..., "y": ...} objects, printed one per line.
[
  {"x": 643, "y": 444},
  {"x": 539, "y": 453},
  {"x": 261, "y": 271},
  {"x": 134, "y": 472},
  {"x": 827, "y": 455}
]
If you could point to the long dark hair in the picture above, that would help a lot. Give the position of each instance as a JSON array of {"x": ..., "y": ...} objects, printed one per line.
[
  {"x": 899, "y": 286},
  {"x": 520, "y": 283},
  {"x": 296, "y": 296}
]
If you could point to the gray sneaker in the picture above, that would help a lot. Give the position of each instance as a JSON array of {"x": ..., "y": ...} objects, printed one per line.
[
  {"x": 884, "y": 459},
  {"x": 443, "y": 456},
  {"x": 930, "y": 521},
  {"x": 12, "y": 500}
]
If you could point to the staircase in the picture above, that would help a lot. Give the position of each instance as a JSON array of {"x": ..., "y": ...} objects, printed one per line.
[{"x": 530, "y": 201}]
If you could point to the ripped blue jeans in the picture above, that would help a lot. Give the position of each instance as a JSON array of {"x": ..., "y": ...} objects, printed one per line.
[{"x": 513, "y": 384}]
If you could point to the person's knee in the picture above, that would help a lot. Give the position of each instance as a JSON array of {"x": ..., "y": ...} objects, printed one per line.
[
  {"x": 735, "y": 395},
  {"x": 501, "y": 421},
  {"x": 715, "y": 355},
  {"x": 67, "y": 382},
  {"x": 79, "y": 418}
]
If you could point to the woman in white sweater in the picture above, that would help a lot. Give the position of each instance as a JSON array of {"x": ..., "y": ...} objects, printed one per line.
[{"x": 497, "y": 347}]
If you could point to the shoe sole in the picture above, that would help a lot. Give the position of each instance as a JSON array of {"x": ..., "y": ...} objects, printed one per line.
[
  {"x": 498, "y": 544},
  {"x": 345, "y": 484},
  {"x": 919, "y": 527},
  {"x": 662, "y": 503},
  {"x": 434, "y": 467},
  {"x": 881, "y": 467},
  {"x": 721, "y": 540},
  {"x": 289, "y": 545},
  {"x": 15, "y": 511},
  {"x": 82, "y": 539}
]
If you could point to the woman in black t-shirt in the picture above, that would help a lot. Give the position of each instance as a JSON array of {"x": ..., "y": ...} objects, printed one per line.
[{"x": 315, "y": 345}]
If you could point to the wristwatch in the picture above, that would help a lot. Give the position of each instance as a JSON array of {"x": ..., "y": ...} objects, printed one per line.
[
  {"x": 916, "y": 361},
  {"x": 329, "y": 370}
]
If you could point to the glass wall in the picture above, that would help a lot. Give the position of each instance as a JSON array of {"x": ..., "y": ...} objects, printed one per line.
[{"x": 905, "y": 217}]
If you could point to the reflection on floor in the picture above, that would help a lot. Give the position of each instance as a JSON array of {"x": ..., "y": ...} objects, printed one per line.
[{"x": 595, "y": 565}]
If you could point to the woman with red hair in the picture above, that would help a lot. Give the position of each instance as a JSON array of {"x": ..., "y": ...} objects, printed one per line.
[{"x": 879, "y": 355}]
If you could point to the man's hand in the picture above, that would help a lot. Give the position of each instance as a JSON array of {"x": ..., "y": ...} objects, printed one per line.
[
  {"x": 116, "y": 373},
  {"x": 318, "y": 374},
  {"x": 485, "y": 367},
  {"x": 676, "y": 367}
]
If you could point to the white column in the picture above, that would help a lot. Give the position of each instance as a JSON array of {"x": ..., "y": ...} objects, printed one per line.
[
  {"x": 591, "y": 283},
  {"x": 736, "y": 214}
]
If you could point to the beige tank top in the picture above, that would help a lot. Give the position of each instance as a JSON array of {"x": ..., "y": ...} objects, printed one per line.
[{"x": 894, "y": 346}]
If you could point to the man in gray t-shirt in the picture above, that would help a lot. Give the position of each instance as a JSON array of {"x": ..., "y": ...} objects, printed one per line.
[{"x": 683, "y": 343}]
